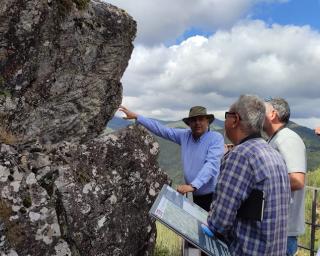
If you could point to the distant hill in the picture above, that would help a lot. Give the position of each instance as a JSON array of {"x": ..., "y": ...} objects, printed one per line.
[
  {"x": 169, "y": 157},
  {"x": 312, "y": 142},
  {"x": 117, "y": 122}
]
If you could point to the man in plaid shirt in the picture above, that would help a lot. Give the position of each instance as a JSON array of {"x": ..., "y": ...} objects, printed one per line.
[{"x": 251, "y": 165}]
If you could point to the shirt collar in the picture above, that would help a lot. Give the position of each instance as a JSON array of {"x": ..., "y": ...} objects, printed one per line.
[
  {"x": 200, "y": 138},
  {"x": 251, "y": 136},
  {"x": 275, "y": 133}
]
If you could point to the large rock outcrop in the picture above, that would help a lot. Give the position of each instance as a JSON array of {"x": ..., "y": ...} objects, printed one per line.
[
  {"x": 87, "y": 199},
  {"x": 66, "y": 187},
  {"x": 60, "y": 67}
]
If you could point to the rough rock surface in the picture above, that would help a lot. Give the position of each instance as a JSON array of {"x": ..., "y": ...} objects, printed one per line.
[
  {"x": 67, "y": 188},
  {"x": 87, "y": 199},
  {"x": 60, "y": 67},
  {"x": 126, "y": 193}
]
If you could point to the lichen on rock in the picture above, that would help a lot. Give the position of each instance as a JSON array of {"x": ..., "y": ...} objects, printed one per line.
[
  {"x": 66, "y": 187},
  {"x": 62, "y": 73}
]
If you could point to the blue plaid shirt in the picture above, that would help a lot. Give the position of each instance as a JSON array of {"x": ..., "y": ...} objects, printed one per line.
[
  {"x": 200, "y": 158},
  {"x": 252, "y": 165}
]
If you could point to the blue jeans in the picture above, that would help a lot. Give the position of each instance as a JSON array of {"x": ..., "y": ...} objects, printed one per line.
[{"x": 292, "y": 245}]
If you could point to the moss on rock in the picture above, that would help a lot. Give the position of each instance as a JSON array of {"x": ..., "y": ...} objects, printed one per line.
[
  {"x": 14, "y": 232},
  {"x": 82, "y": 176},
  {"x": 5, "y": 211},
  {"x": 81, "y": 4},
  {"x": 4, "y": 93},
  {"x": 1, "y": 81},
  {"x": 7, "y": 137},
  {"x": 65, "y": 6},
  {"x": 27, "y": 202}
]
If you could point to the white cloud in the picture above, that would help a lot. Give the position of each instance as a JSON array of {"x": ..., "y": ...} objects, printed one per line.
[
  {"x": 252, "y": 57},
  {"x": 160, "y": 21},
  {"x": 247, "y": 57}
]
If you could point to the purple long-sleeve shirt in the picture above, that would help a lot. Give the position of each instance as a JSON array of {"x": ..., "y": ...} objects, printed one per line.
[{"x": 201, "y": 158}]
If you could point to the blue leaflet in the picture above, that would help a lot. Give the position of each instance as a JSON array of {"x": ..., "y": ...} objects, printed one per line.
[{"x": 206, "y": 230}]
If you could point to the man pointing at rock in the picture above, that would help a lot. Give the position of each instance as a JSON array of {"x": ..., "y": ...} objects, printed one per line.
[{"x": 201, "y": 151}]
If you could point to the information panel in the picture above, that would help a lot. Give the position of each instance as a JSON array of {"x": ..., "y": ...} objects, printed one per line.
[{"x": 185, "y": 218}]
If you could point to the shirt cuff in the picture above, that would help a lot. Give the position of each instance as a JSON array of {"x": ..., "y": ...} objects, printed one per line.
[
  {"x": 195, "y": 184},
  {"x": 139, "y": 117}
]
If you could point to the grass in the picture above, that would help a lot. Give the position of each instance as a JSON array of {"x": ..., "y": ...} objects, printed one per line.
[
  {"x": 168, "y": 243},
  {"x": 313, "y": 180}
]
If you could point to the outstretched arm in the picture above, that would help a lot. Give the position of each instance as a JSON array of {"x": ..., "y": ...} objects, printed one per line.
[
  {"x": 317, "y": 131},
  {"x": 154, "y": 126}
]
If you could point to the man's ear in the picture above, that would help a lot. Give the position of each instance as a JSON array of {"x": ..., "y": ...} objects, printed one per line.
[
  {"x": 273, "y": 114},
  {"x": 236, "y": 121}
]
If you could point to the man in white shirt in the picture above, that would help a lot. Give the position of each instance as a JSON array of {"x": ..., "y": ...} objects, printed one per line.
[{"x": 293, "y": 150}]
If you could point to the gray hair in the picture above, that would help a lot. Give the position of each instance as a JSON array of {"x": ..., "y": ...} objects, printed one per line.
[
  {"x": 282, "y": 107},
  {"x": 252, "y": 111}
]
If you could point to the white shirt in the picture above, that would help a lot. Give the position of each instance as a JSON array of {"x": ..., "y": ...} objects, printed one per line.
[{"x": 293, "y": 150}]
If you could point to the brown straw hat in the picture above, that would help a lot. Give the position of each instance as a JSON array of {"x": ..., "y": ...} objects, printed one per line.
[{"x": 198, "y": 111}]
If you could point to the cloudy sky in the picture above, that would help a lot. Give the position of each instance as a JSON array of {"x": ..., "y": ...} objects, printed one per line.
[{"x": 208, "y": 52}]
